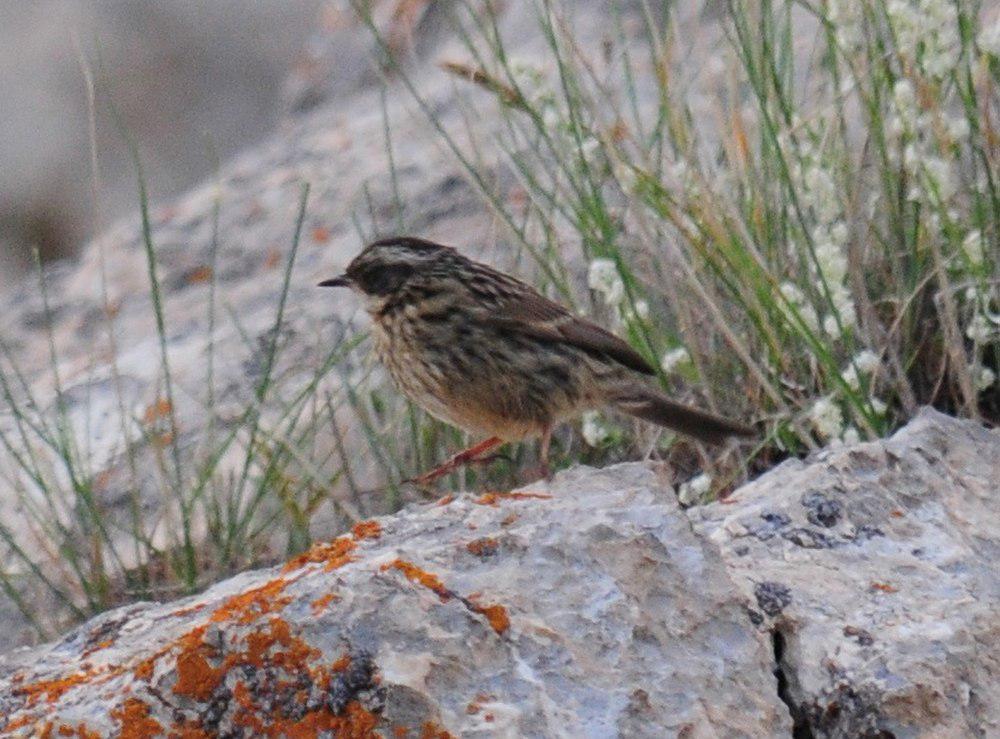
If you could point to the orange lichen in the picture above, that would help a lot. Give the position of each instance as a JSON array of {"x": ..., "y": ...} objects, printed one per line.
[
  {"x": 144, "y": 670},
  {"x": 18, "y": 723},
  {"x": 321, "y": 234},
  {"x": 180, "y": 612},
  {"x": 187, "y": 731},
  {"x": 249, "y": 606},
  {"x": 884, "y": 587},
  {"x": 494, "y": 498},
  {"x": 367, "y": 530},
  {"x": 98, "y": 647},
  {"x": 354, "y": 723},
  {"x": 431, "y": 730},
  {"x": 157, "y": 410},
  {"x": 335, "y": 554},
  {"x": 272, "y": 259},
  {"x": 53, "y": 690},
  {"x": 509, "y": 519},
  {"x": 196, "y": 678},
  {"x": 133, "y": 715},
  {"x": 496, "y": 615},
  {"x": 320, "y": 604},
  {"x": 200, "y": 274},
  {"x": 445, "y": 501},
  {"x": 483, "y": 547},
  {"x": 419, "y": 576}
]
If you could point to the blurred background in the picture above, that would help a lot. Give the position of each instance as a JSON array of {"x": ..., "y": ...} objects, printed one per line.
[{"x": 194, "y": 82}]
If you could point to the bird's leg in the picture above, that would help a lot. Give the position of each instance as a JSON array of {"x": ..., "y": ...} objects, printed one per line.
[
  {"x": 543, "y": 452},
  {"x": 466, "y": 456}
]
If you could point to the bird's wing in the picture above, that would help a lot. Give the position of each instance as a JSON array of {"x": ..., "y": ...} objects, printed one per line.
[{"x": 527, "y": 312}]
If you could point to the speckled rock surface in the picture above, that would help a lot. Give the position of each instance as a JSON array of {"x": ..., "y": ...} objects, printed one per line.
[
  {"x": 587, "y": 608},
  {"x": 593, "y": 606},
  {"x": 876, "y": 568}
]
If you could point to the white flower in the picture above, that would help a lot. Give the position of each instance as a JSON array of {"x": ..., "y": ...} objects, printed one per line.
[
  {"x": 603, "y": 277},
  {"x": 972, "y": 245},
  {"x": 985, "y": 378},
  {"x": 595, "y": 431},
  {"x": 989, "y": 38},
  {"x": 851, "y": 435},
  {"x": 675, "y": 358},
  {"x": 878, "y": 406},
  {"x": 958, "y": 128},
  {"x": 826, "y": 418},
  {"x": 626, "y": 176},
  {"x": 939, "y": 172},
  {"x": 694, "y": 489},
  {"x": 794, "y": 296},
  {"x": 866, "y": 362},
  {"x": 980, "y": 329},
  {"x": 531, "y": 81},
  {"x": 904, "y": 96},
  {"x": 844, "y": 307}
]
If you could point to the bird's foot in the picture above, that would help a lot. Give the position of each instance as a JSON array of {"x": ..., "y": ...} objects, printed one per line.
[{"x": 474, "y": 454}]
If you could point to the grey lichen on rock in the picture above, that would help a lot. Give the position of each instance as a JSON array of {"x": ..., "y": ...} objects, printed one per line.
[{"x": 875, "y": 567}]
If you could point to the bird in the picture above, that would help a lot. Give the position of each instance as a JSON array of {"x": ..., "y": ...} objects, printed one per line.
[{"x": 486, "y": 352}]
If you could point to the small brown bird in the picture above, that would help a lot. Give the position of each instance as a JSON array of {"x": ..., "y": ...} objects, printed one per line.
[{"x": 486, "y": 352}]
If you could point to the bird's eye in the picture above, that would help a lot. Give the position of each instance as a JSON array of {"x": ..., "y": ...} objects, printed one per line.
[{"x": 382, "y": 279}]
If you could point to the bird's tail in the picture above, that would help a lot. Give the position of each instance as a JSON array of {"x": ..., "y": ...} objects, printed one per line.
[{"x": 650, "y": 405}]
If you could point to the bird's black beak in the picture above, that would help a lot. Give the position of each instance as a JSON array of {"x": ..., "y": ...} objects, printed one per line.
[{"x": 342, "y": 281}]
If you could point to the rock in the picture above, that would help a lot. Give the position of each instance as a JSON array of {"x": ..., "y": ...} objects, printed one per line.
[
  {"x": 594, "y": 606},
  {"x": 587, "y": 608},
  {"x": 874, "y": 566}
]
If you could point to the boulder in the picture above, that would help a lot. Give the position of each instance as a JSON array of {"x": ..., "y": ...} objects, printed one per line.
[
  {"x": 850, "y": 594},
  {"x": 585, "y": 608}
]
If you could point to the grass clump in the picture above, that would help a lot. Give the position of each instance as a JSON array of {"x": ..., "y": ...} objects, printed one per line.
[{"x": 806, "y": 229}]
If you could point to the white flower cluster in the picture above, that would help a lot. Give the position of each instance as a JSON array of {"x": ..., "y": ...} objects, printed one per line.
[
  {"x": 796, "y": 298},
  {"x": 974, "y": 248},
  {"x": 533, "y": 84},
  {"x": 826, "y": 418},
  {"x": 985, "y": 379},
  {"x": 594, "y": 429},
  {"x": 989, "y": 38},
  {"x": 695, "y": 489},
  {"x": 866, "y": 363},
  {"x": 603, "y": 277},
  {"x": 819, "y": 194},
  {"x": 847, "y": 19},
  {"x": 926, "y": 33},
  {"x": 675, "y": 358},
  {"x": 930, "y": 171}
]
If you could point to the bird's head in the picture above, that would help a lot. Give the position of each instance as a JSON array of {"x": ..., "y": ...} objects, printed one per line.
[{"x": 384, "y": 266}]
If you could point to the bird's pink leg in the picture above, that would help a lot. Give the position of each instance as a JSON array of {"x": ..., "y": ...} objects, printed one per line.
[{"x": 464, "y": 457}]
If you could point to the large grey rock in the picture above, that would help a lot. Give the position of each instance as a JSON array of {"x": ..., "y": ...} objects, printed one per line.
[
  {"x": 591, "y": 607},
  {"x": 586, "y": 609},
  {"x": 875, "y": 567}
]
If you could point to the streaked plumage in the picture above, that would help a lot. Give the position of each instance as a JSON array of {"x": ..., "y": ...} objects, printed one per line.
[{"x": 486, "y": 352}]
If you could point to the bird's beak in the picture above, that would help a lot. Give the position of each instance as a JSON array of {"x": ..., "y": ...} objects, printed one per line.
[{"x": 342, "y": 281}]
